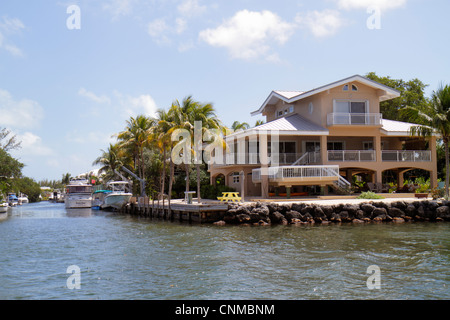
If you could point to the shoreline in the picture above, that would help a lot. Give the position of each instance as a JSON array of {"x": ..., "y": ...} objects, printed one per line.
[{"x": 396, "y": 210}]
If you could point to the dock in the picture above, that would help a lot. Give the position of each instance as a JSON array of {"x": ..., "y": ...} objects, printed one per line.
[{"x": 208, "y": 211}]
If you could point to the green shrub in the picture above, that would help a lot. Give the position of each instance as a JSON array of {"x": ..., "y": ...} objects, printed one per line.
[{"x": 369, "y": 195}]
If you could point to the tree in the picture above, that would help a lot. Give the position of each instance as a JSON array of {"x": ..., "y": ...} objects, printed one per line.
[
  {"x": 411, "y": 94},
  {"x": 9, "y": 167},
  {"x": 204, "y": 113},
  {"x": 66, "y": 178},
  {"x": 110, "y": 160},
  {"x": 259, "y": 122},
  {"x": 11, "y": 142},
  {"x": 434, "y": 118},
  {"x": 134, "y": 139},
  {"x": 240, "y": 126}
]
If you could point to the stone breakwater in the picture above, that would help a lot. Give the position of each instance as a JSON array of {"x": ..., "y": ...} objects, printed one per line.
[{"x": 366, "y": 212}]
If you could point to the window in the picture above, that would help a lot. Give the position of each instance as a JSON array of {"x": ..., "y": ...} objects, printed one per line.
[
  {"x": 312, "y": 146},
  {"x": 354, "y": 88},
  {"x": 335, "y": 145},
  {"x": 310, "y": 108},
  {"x": 236, "y": 177},
  {"x": 345, "y": 88},
  {"x": 368, "y": 145},
  {"x": 287, "y": 147},
  {"x": 350, "y": 112},
  {"x": 284, "y": 147}
]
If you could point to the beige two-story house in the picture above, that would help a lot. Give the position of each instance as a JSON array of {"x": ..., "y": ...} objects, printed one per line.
[{"x": 321, "y": 139}]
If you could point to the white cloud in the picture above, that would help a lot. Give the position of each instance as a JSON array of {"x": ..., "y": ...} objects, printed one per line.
[
  {"x": 249, "y": 34},
  {"x": 321, "y": 23},
  {"x": 118, "y": 8},
  {"x": 83, "y": 137},
  {"x": 23, "y": 113},
  {"x": 10, "y": 27},
  {"x": 144, "y": 104},
  {"x": 191, "y": 8},
  {"x": 33, "y": 145},
  {"x": 364, "y": 4},
  {"x": 93, "y": 97},
  {"x": 158, "y": 30}
]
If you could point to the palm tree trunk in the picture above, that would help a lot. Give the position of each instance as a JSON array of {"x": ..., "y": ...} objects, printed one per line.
[
  {"x": 199, "y": 198},
  {"x": 187, "y": 176},
  {"x": 172, "y": 169},
  {"x": 163, "y": 174},
  {"x": 447, "y": 171}
]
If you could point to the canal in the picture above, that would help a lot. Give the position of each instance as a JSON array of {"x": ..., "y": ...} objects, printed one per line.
[{"x": 119, "y": 257}]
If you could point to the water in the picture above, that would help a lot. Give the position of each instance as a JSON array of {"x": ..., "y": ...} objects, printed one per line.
[{"x": 128, "y": 258}]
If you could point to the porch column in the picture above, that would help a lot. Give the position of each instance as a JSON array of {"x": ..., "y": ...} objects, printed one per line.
[
  {"x": 400, "y": 179},
  {"x": 323, "y": 150},
  {"x": 378, "y": 176},
  {"x": 264, "y": 164},
  {"x": 243, "y": 184},
  {"x": 433, "y": 173}
]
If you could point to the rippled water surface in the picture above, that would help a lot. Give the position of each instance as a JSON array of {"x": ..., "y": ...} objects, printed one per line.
[{"x": 128, "y": 258}]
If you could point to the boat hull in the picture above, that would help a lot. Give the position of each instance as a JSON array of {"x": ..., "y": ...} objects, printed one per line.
[
  {"x": 78, "y": 201},
  {"x": 116, "y": 201},
  {"x": 3, "y": 208}
]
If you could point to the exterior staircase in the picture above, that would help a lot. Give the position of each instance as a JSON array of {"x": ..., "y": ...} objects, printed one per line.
[{"x": 341, "y": 186}]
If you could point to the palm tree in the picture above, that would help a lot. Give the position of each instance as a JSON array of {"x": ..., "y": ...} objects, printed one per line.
[
  {"x": 434, "y": 118},
  {"x": 259, "y": 122},
  {"x": 240, "y": 126},
  {"x": 205, "y": 114},
  {"x": 110, "y": 160},
  {"x": 135, "y": 138}
]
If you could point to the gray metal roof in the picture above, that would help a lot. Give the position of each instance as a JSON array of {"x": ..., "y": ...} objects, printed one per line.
[{"x": 293, "y": 124}]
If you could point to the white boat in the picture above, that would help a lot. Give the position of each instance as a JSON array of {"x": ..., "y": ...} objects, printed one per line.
[
  {"x": 118, "y": 197},
  {"x": 98, "y": 198},
  {"x": 79, "y": 194},
  {"x": 23, "y": 198},
  {"x": 12, "y": 199},
  {"x": 3, "y": 207}
]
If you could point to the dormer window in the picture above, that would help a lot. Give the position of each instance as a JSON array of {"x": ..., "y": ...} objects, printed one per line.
[{"x": 288, "y": 110}]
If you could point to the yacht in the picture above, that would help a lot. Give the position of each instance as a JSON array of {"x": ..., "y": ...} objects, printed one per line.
[
  {"x": 118, "y": 197},
  {"x": 23, "y": 198},
  {"x": 12, "y": 199},
  {"x": 79, "y": 194}
]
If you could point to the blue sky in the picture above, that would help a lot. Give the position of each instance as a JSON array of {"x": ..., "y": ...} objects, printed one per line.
[{"x": 64, "y": 92}]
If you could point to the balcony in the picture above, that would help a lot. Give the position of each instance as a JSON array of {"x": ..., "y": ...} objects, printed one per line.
[
  {"x": 355, "y": 119},
  {"x": 252, "y": 158},
  {"x": 352, "y": 155},
  {"x": 386, "y": 155},
  {"x": 298, "y": 174},
  {"x": 406, "y": 155}
]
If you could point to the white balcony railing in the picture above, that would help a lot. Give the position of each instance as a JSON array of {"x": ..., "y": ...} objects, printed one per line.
[
  {"x": 297, "y": 172},
  {"x": 352, "y": 155},
  {"x": 359, "y": 119},
  {"x": 406, "y": 155},
  {"x": 253, "y": 158}
]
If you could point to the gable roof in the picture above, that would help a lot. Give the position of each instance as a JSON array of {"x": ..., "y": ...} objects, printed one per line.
[{"x": 293, "y": 96}]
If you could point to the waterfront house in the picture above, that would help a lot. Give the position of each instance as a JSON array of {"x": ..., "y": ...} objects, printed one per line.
[{"x": 318, "y": 140}]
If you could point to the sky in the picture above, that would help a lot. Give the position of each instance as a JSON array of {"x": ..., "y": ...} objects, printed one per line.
[{"x": 73, "y": 72}]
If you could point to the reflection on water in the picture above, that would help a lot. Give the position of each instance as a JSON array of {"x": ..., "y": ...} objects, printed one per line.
[{"x": 128, "y": 258}]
